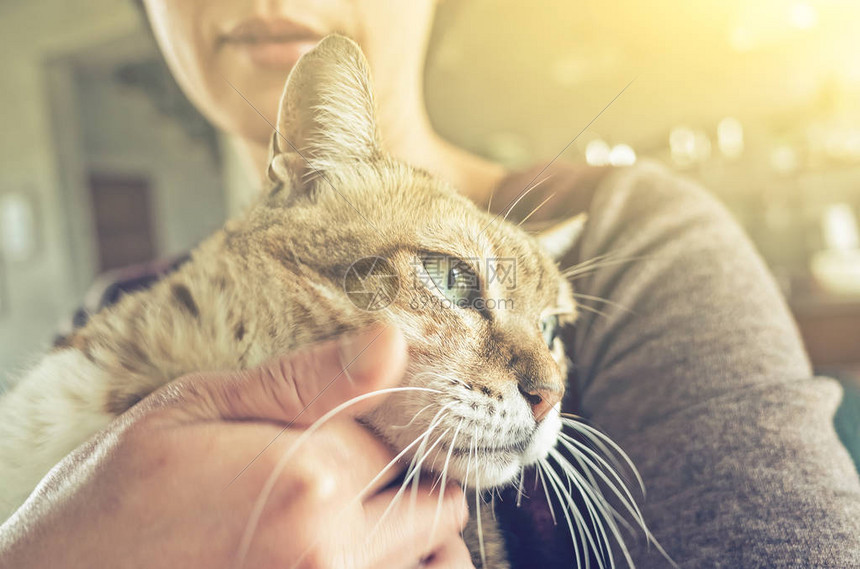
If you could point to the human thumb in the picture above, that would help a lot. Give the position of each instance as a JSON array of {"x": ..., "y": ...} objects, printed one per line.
[{"x": 299, "y": 388}]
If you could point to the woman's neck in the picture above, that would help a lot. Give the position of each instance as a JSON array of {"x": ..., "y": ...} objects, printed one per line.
[{"x": 414, "y": 141}]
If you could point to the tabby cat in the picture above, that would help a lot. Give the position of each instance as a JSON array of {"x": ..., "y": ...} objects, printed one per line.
[{"x": 285, "y": 274}]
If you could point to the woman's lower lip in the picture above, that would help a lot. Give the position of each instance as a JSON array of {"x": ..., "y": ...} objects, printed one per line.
[{"x": 274, "y": 54}]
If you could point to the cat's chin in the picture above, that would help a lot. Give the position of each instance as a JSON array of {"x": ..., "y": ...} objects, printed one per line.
[
  {"x": 497, "y": 469},
  {"x": 502, "y": 467}
]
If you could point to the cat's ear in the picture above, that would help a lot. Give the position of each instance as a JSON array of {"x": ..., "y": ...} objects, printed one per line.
[
  {"x": 326, "y": 115},
  {"x": 561, "y": 237}
]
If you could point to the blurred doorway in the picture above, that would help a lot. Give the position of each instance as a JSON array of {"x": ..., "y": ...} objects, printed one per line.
[
  {"x": 140, "y": 168},
  {"x": 122, "y": 216}
]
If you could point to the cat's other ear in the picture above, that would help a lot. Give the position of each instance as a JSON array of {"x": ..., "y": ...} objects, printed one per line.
[
  {"x": 561, "y": 237},
  {"x": 326, "y": 115}
]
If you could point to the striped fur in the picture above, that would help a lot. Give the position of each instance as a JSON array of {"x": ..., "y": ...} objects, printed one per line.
[{"x": 272, "y": 281}]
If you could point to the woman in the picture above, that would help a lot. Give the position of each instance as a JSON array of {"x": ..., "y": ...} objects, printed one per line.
[
  {"x": 231, "y": 58},
  {"x": 700, "y": 377}
]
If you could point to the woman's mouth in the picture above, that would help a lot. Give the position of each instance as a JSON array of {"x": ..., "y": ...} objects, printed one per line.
[{"x": 270, "y": 43}]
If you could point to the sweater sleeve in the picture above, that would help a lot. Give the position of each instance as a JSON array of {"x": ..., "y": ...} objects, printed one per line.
[{"x": 697, "y": 370}]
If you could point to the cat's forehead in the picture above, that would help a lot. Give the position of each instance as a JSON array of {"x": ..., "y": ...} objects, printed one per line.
[
  {"x": 509, "y": 261},
  {"x": 392, "y": 205}
]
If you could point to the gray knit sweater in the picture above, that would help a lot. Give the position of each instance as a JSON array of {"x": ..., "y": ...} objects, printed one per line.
[{"x": 702, "y": 378}]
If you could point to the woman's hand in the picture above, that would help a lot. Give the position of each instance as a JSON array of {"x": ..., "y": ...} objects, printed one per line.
[{"x": 174, "y": 481}]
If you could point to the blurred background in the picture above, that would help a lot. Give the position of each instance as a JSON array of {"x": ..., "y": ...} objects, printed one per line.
[{"x": 104, "y": 163}]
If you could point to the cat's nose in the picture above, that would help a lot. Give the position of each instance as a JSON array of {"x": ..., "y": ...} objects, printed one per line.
[{"x": 542, "y": 400}]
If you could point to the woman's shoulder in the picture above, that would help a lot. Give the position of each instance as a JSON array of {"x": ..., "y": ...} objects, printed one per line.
[
  {"x": 559, "y": 189},
  {"x": 546, "y": 191}
]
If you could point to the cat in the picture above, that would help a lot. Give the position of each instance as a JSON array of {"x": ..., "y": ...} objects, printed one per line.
[{"x": 339, "y": 219}]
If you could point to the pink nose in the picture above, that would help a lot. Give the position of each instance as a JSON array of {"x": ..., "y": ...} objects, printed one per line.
[{"x": 542, "y": 400}]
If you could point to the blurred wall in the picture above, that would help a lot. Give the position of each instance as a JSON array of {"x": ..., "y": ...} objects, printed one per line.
[
  {"x": 64, "y": 116},
  {"x": 31, "y": 33},
  {"x": 547, "y": 67},
  {"x": 185, "y": 173},
  {"x": 512, "y": 80}
]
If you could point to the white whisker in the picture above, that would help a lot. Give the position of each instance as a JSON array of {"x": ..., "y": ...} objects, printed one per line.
[
  {"x": 558, "y": 312},
  {"x": 493, "y": 502},
  {"x": 617, "y": 464},
  {"x": 581, "y": 521},
  {"x": 413, "y": 495},
  {"x": 593, "y": 310},
  {"x": 444, "y": 479},
  {"x": 590, "y": 461},
  {"x": 478, "y": 506},
  {"x": 413, "y": 419},
  {"x": 588, "y": 263},
  {"x": 599, "y": 299},
  {"x": 522, "y": 195},
  {"x": 520, "y": 485},
  {"x": 592, "y": 485},
  {"x": 570, "y": 523},
  {"x": 599, "y": 438},
  {"x": 620, "y": 489},
  {"x": 413, "y": 468},
  {"x": 532, "y": 212},
  {"x": 588, "y": 267},
  {"x": 627, "y": 500},
  {"x": 363, "y": 494},
  {"x": 546, "y": 493},
  {"x": 464, "y": 483}
]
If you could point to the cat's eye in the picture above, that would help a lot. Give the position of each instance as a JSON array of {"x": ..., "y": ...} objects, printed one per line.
[
  {"x": 549, "y": 327},
  {"x": 454, "y": 278}
]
